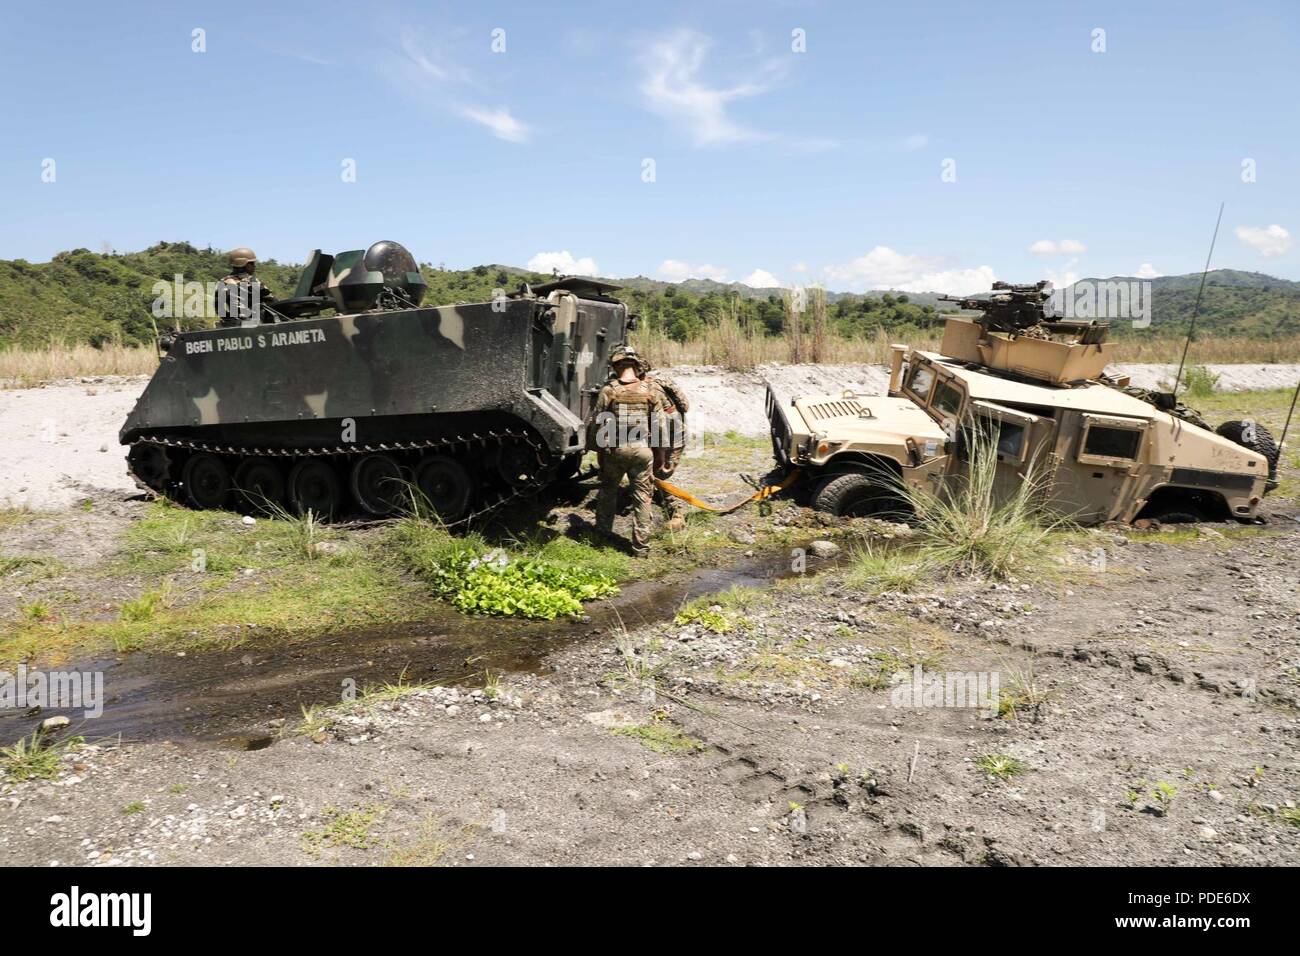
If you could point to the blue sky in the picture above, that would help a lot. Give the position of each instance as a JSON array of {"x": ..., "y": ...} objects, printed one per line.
[{"x": 822, "y": 165}]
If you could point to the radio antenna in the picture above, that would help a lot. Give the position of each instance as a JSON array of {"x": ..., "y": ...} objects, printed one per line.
[
  {"x": 1285, "y": 428},
  {"x": 1196, "y": 309}
]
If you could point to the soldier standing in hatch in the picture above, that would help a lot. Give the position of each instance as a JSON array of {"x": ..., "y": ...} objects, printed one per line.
[
  {"x": 239, "y": 295},
  {"x": 670, "y": 444},
  {"x": 621, "y": 427}
]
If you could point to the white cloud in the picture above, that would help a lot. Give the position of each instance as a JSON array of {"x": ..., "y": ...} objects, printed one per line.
[
  {"x": 762, "y": 279},
  {"x": 673, "y": 88},
  {"x": 564, "y": 262},
  {"x": 1065, "y": 278},
  {"x": 499, "y": 121},
  {"x": 675, "y": 271},
  {"x": 952, "y": 281},
  {"x": 1266, "y": 240},
  {"x": 1066, "y": 247},
  {"x": 424, "y": 70},
  {"x": 1147, "y": 271},
  {"x": 883, "y": 268}
]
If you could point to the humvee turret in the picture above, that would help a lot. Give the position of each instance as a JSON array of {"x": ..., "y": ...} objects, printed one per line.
[{"x": 1109, "y": 452}]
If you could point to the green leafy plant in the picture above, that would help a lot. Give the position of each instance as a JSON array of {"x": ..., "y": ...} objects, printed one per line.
[
  {"x": 35, "y": 757},
  {"x": 1001, "y": 766},
  {"x": 477, "y": 579},
  {"x": 1163, "y": 795},
  {"x": 1200, "y": 381}
]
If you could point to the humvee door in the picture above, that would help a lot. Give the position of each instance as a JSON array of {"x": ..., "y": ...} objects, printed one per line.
[
  {"x": 1098, "y": 462},
  {"x": 1018, "y": 437}
]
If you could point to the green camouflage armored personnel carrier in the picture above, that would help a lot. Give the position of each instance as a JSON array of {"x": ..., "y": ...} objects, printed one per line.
[
  {"x": 1038, "y": 389},
  {"x": 471, "y": 404}
]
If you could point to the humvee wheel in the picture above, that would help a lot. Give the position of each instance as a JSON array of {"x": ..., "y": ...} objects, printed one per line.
[
  {"x": 1180, "y": 516},
  {"x": 314, "y": 487},
  {"x": 851, "y": 496},
  {"x": 206, "y": 480},
  {"x": 445, "y": 485},
  {"x": 259, "y": 484},
  {"x": 1257, "y": 438},
  {"x": 377, "y": 485}
]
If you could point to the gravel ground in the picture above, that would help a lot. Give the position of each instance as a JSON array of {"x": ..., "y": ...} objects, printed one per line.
[{"x": 1144, "y": 682}]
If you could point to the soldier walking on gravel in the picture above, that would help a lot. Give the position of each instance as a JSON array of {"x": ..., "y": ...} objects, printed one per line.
[
  {"x": 672, "y": 442},
  {"x": 238, "y": 295},
  {"x": 621, "y": 428}
]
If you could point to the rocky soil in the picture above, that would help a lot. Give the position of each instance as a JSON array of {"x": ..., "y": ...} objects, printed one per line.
[{"x": 1151, "y": 687}]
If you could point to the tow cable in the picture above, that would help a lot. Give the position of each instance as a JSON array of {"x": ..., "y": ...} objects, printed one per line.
[{"x": 761, "y": 494}]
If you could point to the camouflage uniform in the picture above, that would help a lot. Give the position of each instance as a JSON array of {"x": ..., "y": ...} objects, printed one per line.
[
  {"x": 623, "y": 440},
  {"x": 668, "y": 456},
  {"x": 234, "y": 298}
]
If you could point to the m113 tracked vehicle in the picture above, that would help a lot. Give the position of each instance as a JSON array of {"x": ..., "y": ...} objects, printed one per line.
[
  {"x": 471, "y": 404},
  {"x": 1037, "y": 388}
]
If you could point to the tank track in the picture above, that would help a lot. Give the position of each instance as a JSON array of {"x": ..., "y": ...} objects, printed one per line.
[{"x": 459, "y": 448}]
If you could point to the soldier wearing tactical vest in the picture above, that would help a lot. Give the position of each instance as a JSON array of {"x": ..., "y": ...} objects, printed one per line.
[
  {"x": 239, "y": 294},
  {"x": 672, "y": 442},
  {"x": 621, "y": 428}
]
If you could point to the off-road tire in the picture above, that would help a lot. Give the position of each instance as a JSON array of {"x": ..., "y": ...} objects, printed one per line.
[
  {"x": 1180, "y": 516},
  {"x": 1261, "y": 442},
  {"x": 851, "y": 495}
]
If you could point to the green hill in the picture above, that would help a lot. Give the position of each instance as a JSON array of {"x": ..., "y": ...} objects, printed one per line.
[{"x": 84, "y": 296}]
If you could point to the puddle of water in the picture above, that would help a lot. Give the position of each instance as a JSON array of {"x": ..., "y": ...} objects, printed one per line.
[{"x": 228, "y": 696}]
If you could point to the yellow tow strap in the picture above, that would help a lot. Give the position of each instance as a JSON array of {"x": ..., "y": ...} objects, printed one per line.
[{"x": 760, "y": 495}]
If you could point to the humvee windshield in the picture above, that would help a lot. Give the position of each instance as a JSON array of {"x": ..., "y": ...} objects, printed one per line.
[{"x": 920, "y": 382}]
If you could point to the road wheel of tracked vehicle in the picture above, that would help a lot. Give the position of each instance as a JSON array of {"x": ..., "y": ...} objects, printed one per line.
[
  {"x": 516, "y": 464},
  {"x": 260, "y": 484},
  {"x": 206, "y": 480},
  {"x": 852, "y": 496},
  {"x": 445, "y": 485},
  {"x": 377, "y": 484},
  {"x": 314, "y": 487},
  {"x": 150, "y": 463},
  {"x": 568, "y": 467},
  {"x": 1257, "y": 438}
]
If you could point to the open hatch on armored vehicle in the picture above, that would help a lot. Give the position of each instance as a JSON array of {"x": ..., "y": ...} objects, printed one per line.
[
  {"x": 470, "y": 405},
  {"x": 1037, "y": 388}
]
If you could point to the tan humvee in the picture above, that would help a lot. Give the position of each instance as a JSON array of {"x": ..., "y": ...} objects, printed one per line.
[{"x": 1109, "y": 454}]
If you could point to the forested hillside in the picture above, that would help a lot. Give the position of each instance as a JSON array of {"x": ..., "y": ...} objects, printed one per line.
[{"x": 91, "y": 297}]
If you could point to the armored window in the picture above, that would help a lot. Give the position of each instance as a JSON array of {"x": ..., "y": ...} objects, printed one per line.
[
  {"x": 920, "y": 382},
  {"x": 1011, "y": 440},
  {"x": 948, "y": 398},
  {"x": 1111, "y": 443}
]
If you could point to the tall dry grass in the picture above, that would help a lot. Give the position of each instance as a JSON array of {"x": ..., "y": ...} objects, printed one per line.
[
  {"x": 26, "y": 367},
  {"x": 730, "y": 343}
]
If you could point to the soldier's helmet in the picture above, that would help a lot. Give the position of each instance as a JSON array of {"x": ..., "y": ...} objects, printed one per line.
[
  {"x": 241, "y": 257},
  {"x": 625, "y": 353}
]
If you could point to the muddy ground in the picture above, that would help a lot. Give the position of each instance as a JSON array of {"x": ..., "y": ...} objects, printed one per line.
[{"x": 1148, "y": 712}]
